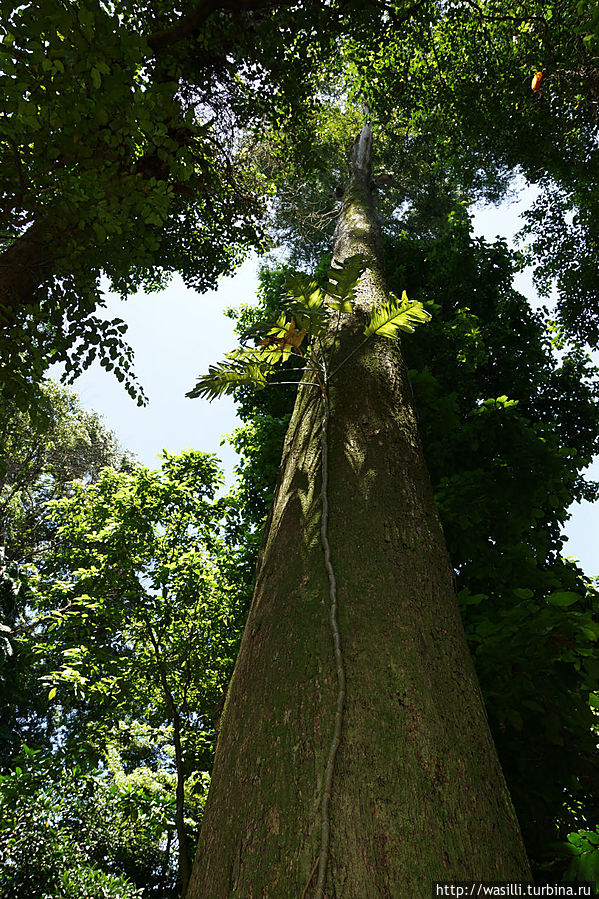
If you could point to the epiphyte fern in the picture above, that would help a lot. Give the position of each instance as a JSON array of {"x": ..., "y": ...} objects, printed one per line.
[
  {"x": 312, "y": 304},
  {"x": 342, "y": 279},
  {"x": 251, "y": 366},
  {"x": 225, "y": 377},
  {"x": 396, "y": 315},
  {"x": 308, "y": 308},
  {"x": 306, "y": 314}
]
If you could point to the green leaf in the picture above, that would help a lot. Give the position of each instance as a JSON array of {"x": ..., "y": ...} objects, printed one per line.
[
  {"x": 269, "y": 354},
  {"x": 224, "y": 379},
  {"x": 397, "y": 315},
  {"x": 523, "y": 593},
  {"x": 96, "y": 78},
  {"x": 278, "y": 329},
  {"x": 314, "y": 321},
  {"x": 563, "y": 599},
  {"x": 304, "y": 291},
  {"x": 258, "y": 329},
  {"x": 85, "y": 16},
  {"x": 52, "y": 693},
  {"x": 342, "y": 280},
  {"x": 467, "y": 598}
]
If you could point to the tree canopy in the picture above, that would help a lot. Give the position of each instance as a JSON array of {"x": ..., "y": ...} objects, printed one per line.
[
  {"x": 140, "y": 142},
  {"x": 123, "y": 155}
]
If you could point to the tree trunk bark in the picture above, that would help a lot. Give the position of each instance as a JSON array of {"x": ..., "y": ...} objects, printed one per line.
[
  {"x": 417, "y": 793},
  {"x": 23, "y": 267}
]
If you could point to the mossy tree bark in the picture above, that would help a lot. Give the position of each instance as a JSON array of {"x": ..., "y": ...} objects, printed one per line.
[{"x": 418, "y": 794}]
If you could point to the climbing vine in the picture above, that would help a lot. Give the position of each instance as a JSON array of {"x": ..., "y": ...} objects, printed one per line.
[{"x": 306, "y": 315}]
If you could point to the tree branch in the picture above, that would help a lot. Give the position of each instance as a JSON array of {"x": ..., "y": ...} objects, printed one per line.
[{"x": 160, "y": 40}]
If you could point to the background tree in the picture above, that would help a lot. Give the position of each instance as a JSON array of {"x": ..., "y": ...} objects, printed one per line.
[
  {"x": 484, "y": 123},
  {"x": 41, "y": 452},
  {"x": 129, "y": 632},
  {"x": 108, "y": 166}
]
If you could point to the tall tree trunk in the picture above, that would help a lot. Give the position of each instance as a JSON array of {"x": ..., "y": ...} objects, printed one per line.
[{"x": 417, "y": 792}]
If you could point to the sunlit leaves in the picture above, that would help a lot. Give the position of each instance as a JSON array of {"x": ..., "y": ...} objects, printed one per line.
[
  {"x": 133, "y": 611},
  {"x": 285, "y": 336},
  {"x": 311, "y": 307},
  {"x": 397, "y": 315},
  {"x": 304, "y": 299},
  {"x": 303, "y": 292},
  {"x": 342, "y": 281},
  {"x": 126, "y": 162},
  {"x": 226, "y": 378},
  {"x": 251, "y": 366},
  {"x": 301, "y": 289}
]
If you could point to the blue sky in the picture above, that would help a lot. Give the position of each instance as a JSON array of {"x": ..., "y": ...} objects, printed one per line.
[
  {"x": 178, "y": 333},
  {"x": 175, "y": 334}
]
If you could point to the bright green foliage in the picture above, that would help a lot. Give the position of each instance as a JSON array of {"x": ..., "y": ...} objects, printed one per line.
[
  {"x": 397, "y": 315},
  {"x": 342, "y": 279},
  {"x": 141, "y": 142},
  {"x": 251, "y": 369},
  {"x": 310, "y": 303},
  {"x": 583, "y": 851},
  {"x": 40, "y": 455},
  {"x": 140, "y": 546},
  {"x": 59, "y": 825},
  {"x": 508, "y": 427},
  {"x": 129, "y": 634},
  {"x": 304, "y": 291}
]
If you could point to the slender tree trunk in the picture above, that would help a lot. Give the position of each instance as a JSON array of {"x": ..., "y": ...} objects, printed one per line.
[
  {"x": 417, "y": 791},
  {"x": 184, "y": 861},
  {"x": 175, "y": 716}
]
